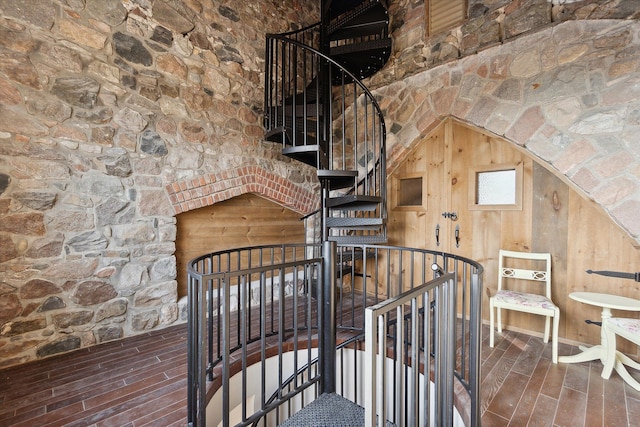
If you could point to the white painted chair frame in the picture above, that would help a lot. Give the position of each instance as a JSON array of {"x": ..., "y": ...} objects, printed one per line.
[
  {"x": 535, "y": 303},
  {"x": 630, "y": 330}
]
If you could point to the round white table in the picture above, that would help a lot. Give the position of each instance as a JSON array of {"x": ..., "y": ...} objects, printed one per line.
[{"x": 607, "y": 302}]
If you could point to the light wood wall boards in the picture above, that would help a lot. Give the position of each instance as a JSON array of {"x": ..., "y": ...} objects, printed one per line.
[
  {"x": 554, "y": 218},
  {"x": 246, "y": 220}
]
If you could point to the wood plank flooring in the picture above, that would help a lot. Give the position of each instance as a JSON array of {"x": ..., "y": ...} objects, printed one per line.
[
  {"x": 521, "y": 386},
  {"x": 141, "y": 381}
]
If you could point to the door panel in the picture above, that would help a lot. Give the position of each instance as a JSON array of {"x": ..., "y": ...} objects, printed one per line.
[{"x": 446, "y": 157}]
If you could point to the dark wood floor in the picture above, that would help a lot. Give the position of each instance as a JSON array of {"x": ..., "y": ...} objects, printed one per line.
[
  {"x": 141, "y": 381},
  {"x": 521, "y": 386}
]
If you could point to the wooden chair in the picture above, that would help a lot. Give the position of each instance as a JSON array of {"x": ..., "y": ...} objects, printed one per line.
[
  {"x": 526, "y": 300},
  {"x": 628, "y": 329}
]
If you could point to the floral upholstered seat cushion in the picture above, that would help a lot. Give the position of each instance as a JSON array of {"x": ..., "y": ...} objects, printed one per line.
[
  {"x": 524, "y": 299},
  {"x": 630, "y": 325}
]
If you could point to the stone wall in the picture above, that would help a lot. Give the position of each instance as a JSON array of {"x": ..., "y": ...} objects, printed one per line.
[
  {"x": 114, "y": 116},
  {"x": 490, "y": 23}
]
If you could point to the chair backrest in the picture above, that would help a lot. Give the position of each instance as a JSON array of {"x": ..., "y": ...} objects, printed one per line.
[{"x": 523, "y": 270}]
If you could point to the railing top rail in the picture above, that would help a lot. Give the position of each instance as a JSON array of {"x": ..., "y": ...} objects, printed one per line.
[
  {"x": 447, "y": 255},
  {"x": 259, "y": 269},
  {"x": 407, "y": 296},
  {"x": 191, "y": 265},
  {"x": 192, "y": 269},
  {"x": 294, "y": 32}
]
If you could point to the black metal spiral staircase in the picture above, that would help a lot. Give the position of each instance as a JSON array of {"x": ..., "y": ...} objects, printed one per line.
[{"x": 318, "y": 109}]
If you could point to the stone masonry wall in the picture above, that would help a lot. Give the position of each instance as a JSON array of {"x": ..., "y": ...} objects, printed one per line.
[
  {"x": 490, "y": 23},
  {"x": 114, "y": 116}
]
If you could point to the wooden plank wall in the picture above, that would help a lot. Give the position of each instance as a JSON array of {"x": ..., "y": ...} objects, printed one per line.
[
  {"x": 246, "y": 220},
  {"x": 554, "y": 218}
]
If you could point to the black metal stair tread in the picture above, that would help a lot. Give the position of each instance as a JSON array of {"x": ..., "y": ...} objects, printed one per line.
[
  {"x": 311, "y": 109},
  {"x": 307, "y": 154},
  {"x": 365, "y": 11},
  {"x": 354, "y": 240},
  {"x": 354, "y": 201},
  {"x": 355, "y": 223},
  {"x": 329, "y": 410},
  {"x": 349, "y": 255},
  {"x": 337, "y": 179},
  {"x": 275, "y": 134},
  {"x": 364, "y": 28},
  {"x": 375, "y": 29},
  {"x": 300, "y": 139},
  {"x": 366, "y": 47}
]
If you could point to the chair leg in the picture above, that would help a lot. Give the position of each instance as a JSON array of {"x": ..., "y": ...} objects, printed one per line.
[
  {"x": 547, "y": 323},
  {"x": 499, "y": 311},
  {"x": 491, "y": 333},
  {"x": 554, "y": 344},
  {"x": 610, "y": 357}
]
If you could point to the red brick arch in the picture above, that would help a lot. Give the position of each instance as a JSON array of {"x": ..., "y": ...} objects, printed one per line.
[{"x": 205, "y": 190}]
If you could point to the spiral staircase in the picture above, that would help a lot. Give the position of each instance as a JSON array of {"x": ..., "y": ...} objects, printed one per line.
[
  {"x": 318, "y": 109},
  {"x": 321, "y": 113}
]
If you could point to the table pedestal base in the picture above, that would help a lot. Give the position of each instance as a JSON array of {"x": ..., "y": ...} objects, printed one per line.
[{"x": 598, "y": 352}]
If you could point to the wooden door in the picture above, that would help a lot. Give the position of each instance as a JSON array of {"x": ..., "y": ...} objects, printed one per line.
[{"x": 448, "y": 160}]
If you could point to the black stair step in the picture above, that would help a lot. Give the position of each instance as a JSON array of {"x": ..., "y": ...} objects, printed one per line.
[
  {"x": 306, "y": 125},
  {"x": 372, "y": 239},
  {"x": 275, "y": 135},
  {"x": 301, "y": 110},
  {"x": 368, "y": 48},
  {"x": 337, "y": 179},
  {"x": 363, "y": 26},
  {"x": 350, "y": 255},
  {"x": 350, "y": 13},
  {"x": 355, "y": 223},
  {"x": 362, "y": 64},
  {"x": 307, "y": 95},
  {"x": 308, "y": 154},
  {"x": 290, "y": 139},
  {"x": 354, "y": 203}
]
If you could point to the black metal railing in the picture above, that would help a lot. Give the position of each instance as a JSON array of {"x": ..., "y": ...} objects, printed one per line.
[{"x": 256, "y": 322}]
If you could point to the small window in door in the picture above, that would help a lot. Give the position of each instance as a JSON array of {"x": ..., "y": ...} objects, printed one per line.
[
  {"x": 496, "y": 187},
  {"x": 409, "y": 192}
]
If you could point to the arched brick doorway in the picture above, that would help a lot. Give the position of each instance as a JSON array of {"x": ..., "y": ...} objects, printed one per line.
[{"x": 247, "y": 206}]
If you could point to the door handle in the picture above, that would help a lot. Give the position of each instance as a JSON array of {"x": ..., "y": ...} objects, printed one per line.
[
  {"x": 457, "y": 236},
  {"x": 451, "y": 215},
  {"x": 438, "y": 235}
]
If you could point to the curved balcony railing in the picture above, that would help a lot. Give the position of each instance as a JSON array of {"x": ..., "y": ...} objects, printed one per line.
[{"x": 257, "y": 316}]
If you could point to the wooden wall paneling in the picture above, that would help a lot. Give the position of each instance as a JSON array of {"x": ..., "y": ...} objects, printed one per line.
[
  {"x": 554, "y": 218},
  {"x": 437, "y": 182},
  {"x": 550, "y": 209},
  {"x": 246, "y": 220},
  {"x": 594, "y": 242}
]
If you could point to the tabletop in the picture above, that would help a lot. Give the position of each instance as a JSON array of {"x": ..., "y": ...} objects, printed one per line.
[{"x": 615, "y": 302}]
